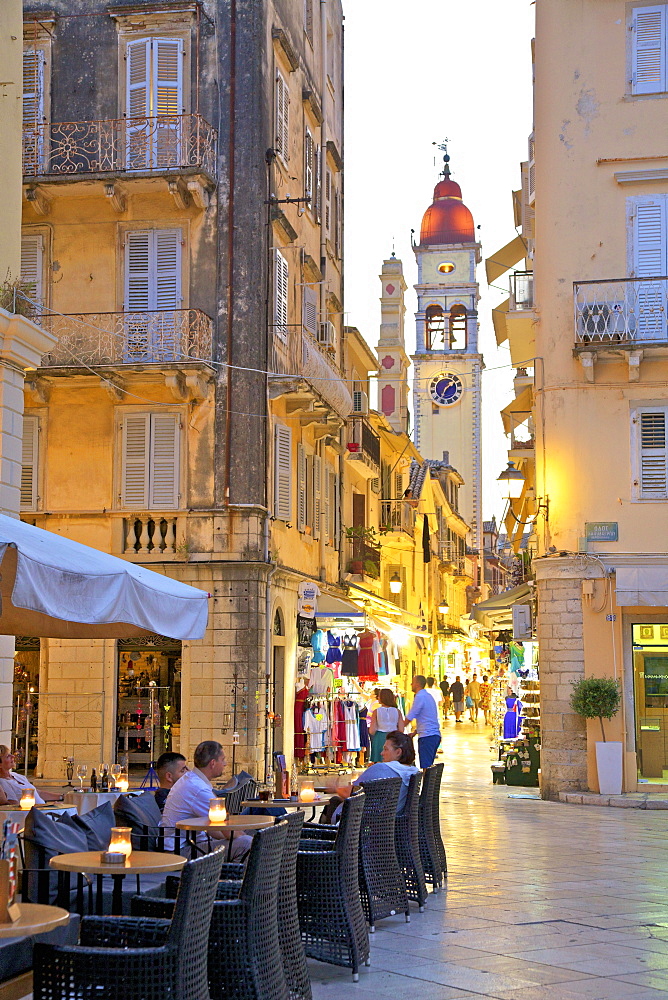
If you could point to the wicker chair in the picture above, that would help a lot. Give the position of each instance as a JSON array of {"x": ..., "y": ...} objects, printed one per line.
[
  {"x": 130, "y": 958},
  {"x": 236, "y": 796},
  {"x": 382, "y": 889},
  {"x": 331, "y": 917},
  {"x": 407, "y": 844},
  {"x": 427, "y": 823},
  {"x": 245, "y": 961},
  {"x": 436, "y": 816}
]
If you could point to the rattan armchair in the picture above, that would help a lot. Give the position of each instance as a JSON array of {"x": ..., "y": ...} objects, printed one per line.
[
  {"x": 331, "y": 917},
  {"x": 131, "y": 958},
  {"x": 407, "y": 844},
  {"x": 245, "y": 959},
  {"x": 436, "y": 817},
  {"x": 382, "y": 887},
  {"x": 433, "y": 862}
]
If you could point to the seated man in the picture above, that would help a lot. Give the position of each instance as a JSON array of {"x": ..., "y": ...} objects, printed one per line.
[
  {"x": 12, "y": 785},
  {"x": 191, "y": 794},
  {"x": 170, "y": 767}
]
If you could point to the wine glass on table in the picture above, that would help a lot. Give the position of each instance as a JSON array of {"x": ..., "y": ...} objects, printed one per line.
[
  {"x": 116, "y": 771},
  {"x": 82, "y": 771}
]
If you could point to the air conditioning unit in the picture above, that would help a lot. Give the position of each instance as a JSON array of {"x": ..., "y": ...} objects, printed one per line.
[
  {"x": 327, "y": 336},
  {"x": 360, "y": 402},
  {"x": 601, "y": 322}
]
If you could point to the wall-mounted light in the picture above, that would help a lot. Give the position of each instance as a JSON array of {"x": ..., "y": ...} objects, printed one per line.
[
  {"x": 513, "y": 480},
  {"x": 395, "y": 584},
  {"x": 443, "y": 608}
]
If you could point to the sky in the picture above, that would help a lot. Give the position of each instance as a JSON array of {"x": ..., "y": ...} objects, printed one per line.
[{"x": 455, "y": 70}]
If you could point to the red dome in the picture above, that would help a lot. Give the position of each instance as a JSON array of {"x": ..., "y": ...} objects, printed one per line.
[{"x": 447, "y": 220}]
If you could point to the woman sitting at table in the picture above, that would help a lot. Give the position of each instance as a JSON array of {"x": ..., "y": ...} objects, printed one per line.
[
  {"x": 13, "y": 786},
  {"x": 397, "y": 759}
]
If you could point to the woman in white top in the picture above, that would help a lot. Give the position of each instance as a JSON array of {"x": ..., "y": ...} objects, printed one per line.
[
  {"x": 12, "y": 785},
  {"x": 385, "y": 719}
]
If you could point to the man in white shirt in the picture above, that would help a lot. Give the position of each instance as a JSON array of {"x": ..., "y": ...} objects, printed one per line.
[
  {"x": 191, "y": 794},
  {"x": 425, "y": 715},
  {"x": 435, "y": 691}
]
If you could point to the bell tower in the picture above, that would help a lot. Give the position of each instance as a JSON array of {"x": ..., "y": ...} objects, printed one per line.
[
  {"x": 393, "y": 361},
  {"x": 447, "y": 363}
]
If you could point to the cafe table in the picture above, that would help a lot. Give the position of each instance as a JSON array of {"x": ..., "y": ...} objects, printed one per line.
[
  {"x": 35, "y": 918},
  {"x": 202, "y": 824},
  {"x": 17, "y": 815},
  {"x": 139, "y": 863},
  {"x": 86, "y": 801}
]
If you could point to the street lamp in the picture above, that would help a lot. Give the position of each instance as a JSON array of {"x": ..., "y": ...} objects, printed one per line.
[
  {"x": 514, "y": 481},
  {"x": 395, "y": 584},
  {"x": 443, "y": 608}
]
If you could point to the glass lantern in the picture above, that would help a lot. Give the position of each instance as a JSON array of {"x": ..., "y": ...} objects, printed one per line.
[
  {"x": 27, "y": 799},
  {"x": 217, "y": 811},
  {"x": 121, "y": 841}
]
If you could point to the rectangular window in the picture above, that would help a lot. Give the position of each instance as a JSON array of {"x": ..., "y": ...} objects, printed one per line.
[
  {"x": 282, "y": 118},
  {"x": 310, "y": 310},
  {"x": 154, "y": 103},
  {"x": 308, "y": 166},
  {"x": 29, "y": 463},
  {"x": 301, "y": 487},
  {"x": 150, "y": 461},
  {"x": 32, "y": 267},
  {"x": 34, "y": 63},
  {"x": 283, "y": 472},
  {"x": 281, "y": 275},
  {"x": 649, "y": 42}
]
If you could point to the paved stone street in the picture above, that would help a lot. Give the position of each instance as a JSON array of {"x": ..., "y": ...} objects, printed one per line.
[{"x": 544, "y": 900}]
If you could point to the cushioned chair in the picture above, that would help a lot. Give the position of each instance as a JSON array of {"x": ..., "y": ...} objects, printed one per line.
[
  {"x": 245, "y": 959},
  {"x": 331, "y": 917},
  {"x": 407, "y": 844},
  {"x": 134, "y": 958},
  {"x": 44, "y": 836},
  {"x": 382, "y": 887},
  {"x": 96, "y": 825},
  {"x": 142, "y": 815},
  {"x": 427, "y": 824}
]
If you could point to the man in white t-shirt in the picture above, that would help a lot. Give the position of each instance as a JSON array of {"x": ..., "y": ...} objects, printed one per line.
[{"x": 434, "y": 690}]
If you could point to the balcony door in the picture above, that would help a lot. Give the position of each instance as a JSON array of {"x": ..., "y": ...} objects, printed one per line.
[
  {"x": 152, "y": 295},
  {"x": 154, "y": 104},
  {"x": 650, "y": 246}
]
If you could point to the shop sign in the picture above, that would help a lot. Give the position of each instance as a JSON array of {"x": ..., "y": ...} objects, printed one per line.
[{"x": 602, "y": 531}]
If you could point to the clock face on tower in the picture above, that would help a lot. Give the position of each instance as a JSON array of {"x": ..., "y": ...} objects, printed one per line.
[{"x": 446, "y": 388}]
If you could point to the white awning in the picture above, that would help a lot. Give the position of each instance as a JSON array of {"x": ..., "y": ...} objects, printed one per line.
[
  {"x": 642, "y": 586},
  {"x": 57, "y": 588}
]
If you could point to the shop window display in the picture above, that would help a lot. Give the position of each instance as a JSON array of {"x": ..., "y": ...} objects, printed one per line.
[
  {"x": 515, "y": 711},
  {"x": 149, "y": 700},
  {"x": 650, "y": 679},
  {"x": 25, "y": 715}
]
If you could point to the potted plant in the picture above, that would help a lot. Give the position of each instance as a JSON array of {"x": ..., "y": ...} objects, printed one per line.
[{"x": 600, "y": 698}]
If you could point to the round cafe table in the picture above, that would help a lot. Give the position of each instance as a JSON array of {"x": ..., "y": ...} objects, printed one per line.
[
  {"x": 35, "y": 918},
  {"x": 139, "y": 863},
  {"x": 202, "y": 824}
]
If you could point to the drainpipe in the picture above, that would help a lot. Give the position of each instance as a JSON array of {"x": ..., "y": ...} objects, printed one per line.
[{"x": 323, "y": 158}]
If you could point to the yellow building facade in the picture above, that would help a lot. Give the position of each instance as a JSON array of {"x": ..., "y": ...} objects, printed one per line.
[{"x": 591, "y": 328}]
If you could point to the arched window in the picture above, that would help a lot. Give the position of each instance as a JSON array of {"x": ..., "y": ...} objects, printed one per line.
[
  {"x": 278, "y": 623},
  {"x": 457, "y": 327},
  {"x": 435, "y": 327}
]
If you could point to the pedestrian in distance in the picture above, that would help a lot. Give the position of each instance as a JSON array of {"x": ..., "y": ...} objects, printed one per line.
[
  {"x": 474, "y": 694},
  {"x": 435, "y": 691},
  {"x": 445, "y": 689},
  {"x": 424, "y": 714},
  {"x": 457, "y": 695},
  {"x": 486, "y": 699}
]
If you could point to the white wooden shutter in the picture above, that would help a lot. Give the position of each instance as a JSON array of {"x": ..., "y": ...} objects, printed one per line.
[
  {"x": 649, "y": 44},
  {"x": 164, "y": 461},
  {"x": 32, "y": 266},
  {"x": 653, "y": 454},
  {"x": 139, "y": 139},
  {"x": 316, "y": 494},
  {"x": 328, "y": 200},
  {"x": 650, "y": 247},
  {"x": 301, "y": 487},
  {"x": 282, "y": 118},
  {"x": 283, "y": 472},
  {"x": 308, "y": 166},
  {"x": 310, "y": 310},
  {"x": 318, "y": 184},
  {"x": 166, "y": 293},
  {"x": 34, "y": 61},
  {"x": 153, "y": 269},
  {"x": 135, "y": 448},
  {"x": 335, "y": 500},
  {"x": 138, "y": 246},
  {"x": 167, "y": 72},
  {"x": 29, "y": 463},
  {"x": 281, "y": 275},
  {"x": 326, "y": 505}
]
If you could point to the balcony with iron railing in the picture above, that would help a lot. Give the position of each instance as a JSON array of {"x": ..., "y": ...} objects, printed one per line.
[
  {"x": 173, "y": 336},
  {"x": 125, "y": 146},
  {"x": 296, "y": 357},
  {"x": 626, "y": 312},
  {"x": 398, "y": 517},
  {"x": 363, "y": 448}
]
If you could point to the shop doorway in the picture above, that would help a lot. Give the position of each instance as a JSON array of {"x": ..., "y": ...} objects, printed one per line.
[
  {"x": 25, "y": 703},
  {"x": 650, "y": 681},
  {"x": 148, "y": 699}
]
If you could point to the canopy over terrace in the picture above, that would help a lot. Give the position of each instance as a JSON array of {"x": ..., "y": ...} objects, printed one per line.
[{"x": 54, "y": 587}]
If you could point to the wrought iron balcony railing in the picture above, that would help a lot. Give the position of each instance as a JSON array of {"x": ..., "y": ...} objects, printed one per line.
[
  {"x": 174, "y": 335},
  {"x": 363, "y": 559},
  {"x": 621, "y": 311},
  {"x": 362, "y": 440},
  {"x": 521, "y": 290},
  {"x": 120, "y": 145},
  {"x": 398, "y": 515},
  {"x": 296, "y": 353}
]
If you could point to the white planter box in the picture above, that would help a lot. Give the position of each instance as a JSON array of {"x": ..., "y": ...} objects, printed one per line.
[{"x": 609, "y": 768}]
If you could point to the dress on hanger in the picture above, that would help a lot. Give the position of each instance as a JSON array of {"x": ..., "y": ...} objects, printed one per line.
[
  {"x": 334, "y": 651},
  {"x": 367, "y": 663},
  {"x": 319, "y": 646},
  {"x": 300, "y": 733},
  {"x": 512, "y": 720},
  {"x": 350, "y": 661},
  {"x": 352, "y": 725}
]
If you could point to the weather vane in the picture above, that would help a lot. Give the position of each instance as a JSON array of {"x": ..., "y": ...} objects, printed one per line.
[{"x": 443, "y": 146}]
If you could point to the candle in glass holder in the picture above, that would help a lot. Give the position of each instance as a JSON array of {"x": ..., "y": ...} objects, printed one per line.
[
  {"x": 121, "y": 842},
  {"x": 307, "y": 792},
  {"x": 122, "y": 784},
  {"x": 217, "y": 810},
  {"x": 28, "y": 799}
]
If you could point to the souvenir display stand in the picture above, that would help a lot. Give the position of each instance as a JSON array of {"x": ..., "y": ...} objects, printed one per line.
[{"x": 515, "y": 707}]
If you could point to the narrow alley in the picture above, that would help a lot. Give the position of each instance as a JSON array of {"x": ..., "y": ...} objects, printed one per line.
[{"x": 544, "y": 900}]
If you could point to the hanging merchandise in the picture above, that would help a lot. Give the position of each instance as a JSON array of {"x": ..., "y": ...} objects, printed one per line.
[
  {"x": 321, "y": 680},
  {"x": 319, "y": 646},
  {"x": 305, "y": 629},
  {"x": 351, "y": 716},
  {"x": 307, "y": 604},
  {"x": 350, "y": 659},
  {"x": 367, "y": 662},
  {"x": 516, "y": 656},
  {"x": 300, "y": 732},
  {"x": 334, "y": 651},
  {"x": 512, "y": 721}
]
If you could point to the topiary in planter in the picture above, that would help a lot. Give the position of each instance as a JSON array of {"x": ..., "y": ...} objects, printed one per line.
[{"x": 596, "y": 698}]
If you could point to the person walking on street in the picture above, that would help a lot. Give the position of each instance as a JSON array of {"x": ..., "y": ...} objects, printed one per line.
[
  {"x": 434, "y": 691},
  {"x": 474, "y": 694},
  {"x": 457, "y": 695},
  {"x": 486, "y": 698},
  {"x": 445, "y": 688},
  {"x": 424, "y": 714}
]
